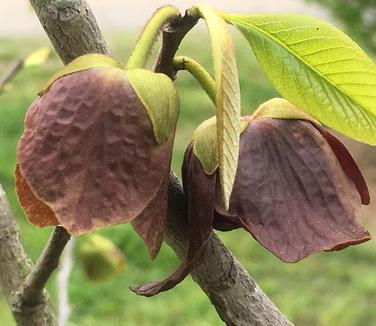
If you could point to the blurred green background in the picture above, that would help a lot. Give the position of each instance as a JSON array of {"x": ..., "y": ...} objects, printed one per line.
[{"x": 326, "y": 289}]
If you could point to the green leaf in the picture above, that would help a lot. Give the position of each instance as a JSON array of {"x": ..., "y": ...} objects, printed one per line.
[
  {"x": 227, "y": 98},
  {"x": 83, "y": 62},
  {"x": 316, "y": 67},
  {"x": 160, "y": 99}
]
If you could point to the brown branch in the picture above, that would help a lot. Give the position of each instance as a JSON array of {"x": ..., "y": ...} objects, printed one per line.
[
  {"x": 15, "y": 266},
  {"x": 173, "y": 34},
  {"x": 46, "y": 264},
  {"x": 239, "y": 301}
]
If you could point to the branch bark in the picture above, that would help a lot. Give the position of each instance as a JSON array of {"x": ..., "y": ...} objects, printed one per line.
[
  {"x": 15, "y": 266},
  {"x": 72, "y": 29},
  {"x": 46, "y": 264}
]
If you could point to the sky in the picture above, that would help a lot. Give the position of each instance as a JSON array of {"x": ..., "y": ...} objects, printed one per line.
[{"x": 16, "y": 17}]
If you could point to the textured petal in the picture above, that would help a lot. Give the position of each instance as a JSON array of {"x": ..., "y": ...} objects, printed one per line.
[
  {"x": 348, "y": 165},
  {"x": 200, "y": 188},
  {"x": 37, "y": 212},
  {"x": 88, "y": 151},
  {"x": 291, "y": 193},
  {"x": 150, "y": 224}
]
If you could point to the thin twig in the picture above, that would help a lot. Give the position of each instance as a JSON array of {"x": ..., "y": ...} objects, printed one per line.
[
  {"x": 13, "y": 69},
  {"x": 173, "y": 34},
  {"x": 15, "y": 265},
  {"x": 46, "y": 264}
]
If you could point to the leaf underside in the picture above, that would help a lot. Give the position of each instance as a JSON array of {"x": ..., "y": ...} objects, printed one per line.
[
  {"x": 227, "y": 99},
  {"x": 291, "y": 193},
  {"x": 317, "y": 68}
]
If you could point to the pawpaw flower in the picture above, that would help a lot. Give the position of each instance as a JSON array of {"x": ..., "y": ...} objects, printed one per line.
[
  {"x": 297, "y": 189},
  {"x": 96, "y": 149}
]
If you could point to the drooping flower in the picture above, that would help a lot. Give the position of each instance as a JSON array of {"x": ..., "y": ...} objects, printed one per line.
[
  {"x": 297, "y": 189},
  {"x": 96, "y": 150}
]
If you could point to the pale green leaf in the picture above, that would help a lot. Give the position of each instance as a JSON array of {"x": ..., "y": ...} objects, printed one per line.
[
  {"x": 160, "y": 99},
  {"x": 316, "y": 67},
  {"x": 83, "y": 62},
  {"x": 227, "y": 98}
]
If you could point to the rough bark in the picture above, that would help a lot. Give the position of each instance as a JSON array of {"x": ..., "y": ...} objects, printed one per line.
[
  {"x": 73, "y": 31},
  {"x": 46, "y": 264},
  {"x": 15, "y": 266},
  {"x": 71, "y": 27}
]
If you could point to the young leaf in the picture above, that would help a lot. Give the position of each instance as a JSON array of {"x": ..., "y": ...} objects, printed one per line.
[
  {"x": 316, "y": 67},
  {"x": 227, "y": 99}
]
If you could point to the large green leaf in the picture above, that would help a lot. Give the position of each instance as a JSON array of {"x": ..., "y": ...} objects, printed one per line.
[
  {"x": 316, "y": 67},
  {"x": 227, "y": 98}
]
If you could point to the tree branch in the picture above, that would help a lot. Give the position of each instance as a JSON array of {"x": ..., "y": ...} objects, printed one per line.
[
  {"x": 46, "y": 264},
  {"x": 15, "y": 266},
  {"x": 73, "y": 31}
]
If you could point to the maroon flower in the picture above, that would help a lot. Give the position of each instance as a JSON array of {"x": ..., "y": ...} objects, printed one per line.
[
  {"x": 297, "y": 191},
  {"x": 89, "y": 156}
]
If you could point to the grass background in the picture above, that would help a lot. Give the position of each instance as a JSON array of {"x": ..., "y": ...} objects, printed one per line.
[{"x": 326, "y": 289}]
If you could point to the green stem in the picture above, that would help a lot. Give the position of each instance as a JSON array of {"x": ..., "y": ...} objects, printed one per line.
[
  {"x": 198, "y": 72},
  {"x": 144, "y": 44}
]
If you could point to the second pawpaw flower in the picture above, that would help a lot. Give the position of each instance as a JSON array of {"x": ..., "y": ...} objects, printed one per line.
[{"x": 297, "y": 189}]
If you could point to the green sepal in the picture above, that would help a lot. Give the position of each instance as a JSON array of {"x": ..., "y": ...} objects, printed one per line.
[
  {"x": 205, "y": 143},
  {"x": 160, "y": 99},
  {"x": 280, "y": 108},
  {"x": 84, "y": 62}
]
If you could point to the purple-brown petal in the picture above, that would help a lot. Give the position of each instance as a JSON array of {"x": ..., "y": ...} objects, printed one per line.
[
  {"x": 37, "y": 212},
  {"x": 89, "y": 152},
  {"x": 348, "y": 165},
  {"x": 200, "y": 194},
  {"x": 150, "y": 223},
  {"x": 291, "y": 192}
]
